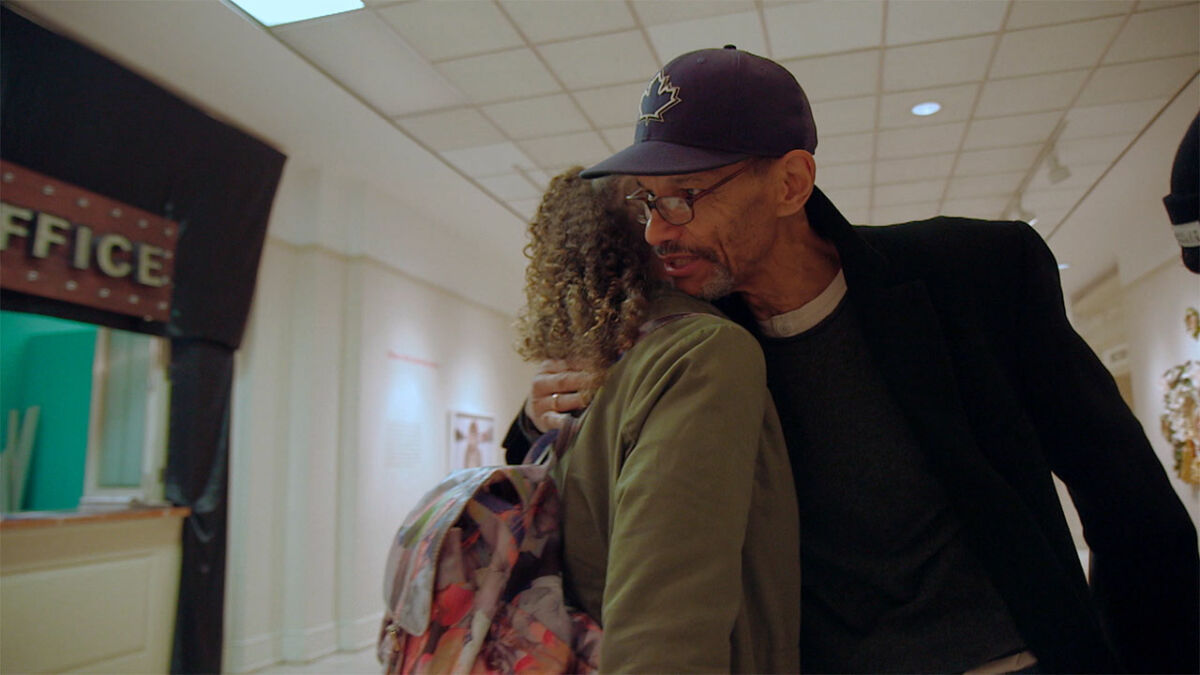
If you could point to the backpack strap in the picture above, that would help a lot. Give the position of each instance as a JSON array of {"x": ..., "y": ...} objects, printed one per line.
[{"x": 537, "y": 454}]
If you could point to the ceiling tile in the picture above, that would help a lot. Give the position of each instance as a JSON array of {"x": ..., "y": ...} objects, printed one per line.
[
  {"x": 526, "y": 207},
  {"x": 366, "y": 56},
  {"x": 1114, "y": 118},
  {"x": 1033, "y": 93},
  {"x": 497, "y": 77},
  {"x": 1029, "y": 13},
  {"x": 1015, "y": 130},
  {"x": 653, "y": 12},
  {"x": 1047, "y": 200},
  {"x": 744, "y": 30},
  {"x": 832, "y": 150},
  {"x": 914, "y": 168},
  {"x": 976, "y": 207},
  {"x": 545, "y": 21},
  {"x": 556, "y": 152},
  {"x": 844, "y": 116},
  {"x": 1152, "y": 5},
  {"x": 511, "y": 186},
  {"x": 854, "y": 203},
  {"x": 1074, "y": 152},
  {"x": 840, "y": 76},
  {"x": 998, "y": 160},
  {"x": 918, "y": 141},
  {"x": 1054, "y": 48},
  {"x": 602, "y": 60},
  {"x": 612, "y": 106},
  {"x": 984, "y": 186},
  {"x": 618, "y": 138},
  {"x": 452, "y": 129},
  {"x": 909, "y": 193},
  {"x": 937, "y": 64},
  {"x": 489, "y": 160},
  {"x": 956, "y": 103},
  {"x": 1046, "y": 220},
  {"x": 844, "y": 175},
  {"x": 1138, "y": 81},
  {"x": 887, "y": 215},
  {"x": 1166, "y": 32},
  {"x": 445, "y": 30},
  {"x": 543, "y": 116},
  {"x": 540, "y": 178},
  {"x": 941, "y": 19},
  {"x": 810, "y": 28}
]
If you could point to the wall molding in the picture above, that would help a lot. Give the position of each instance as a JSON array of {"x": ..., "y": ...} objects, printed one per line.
[
  {"x": 311, "y": 643},
  {"x": 359, "y": 633},
  {"x": 254, "y": 653},
  {"x": 384, "y": 266}
]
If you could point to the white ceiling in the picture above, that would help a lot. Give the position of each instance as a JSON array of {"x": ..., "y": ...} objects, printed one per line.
[
  {"x": 513, "y": 91},
  {"x": 506, "y": 93}
]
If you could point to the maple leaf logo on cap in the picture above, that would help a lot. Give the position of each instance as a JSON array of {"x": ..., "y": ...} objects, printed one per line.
[{"x": 658, "y": 100}]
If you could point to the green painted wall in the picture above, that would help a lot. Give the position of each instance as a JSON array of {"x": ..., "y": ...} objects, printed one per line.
[{"x": 48, "y": 362}]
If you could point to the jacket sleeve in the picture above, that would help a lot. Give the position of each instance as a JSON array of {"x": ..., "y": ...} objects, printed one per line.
[
  {"x": 681, "y": 504},
  {"x": 1144, "y": 574},
  {"x": 520, "y": 437}
]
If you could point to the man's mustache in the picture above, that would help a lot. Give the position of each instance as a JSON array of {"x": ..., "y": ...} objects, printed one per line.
[{"x": 673, "y": 248}]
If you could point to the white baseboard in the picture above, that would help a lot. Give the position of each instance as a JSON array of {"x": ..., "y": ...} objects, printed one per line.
[
  {"x": 258, "y": 652},
  {"x": 310, "y": 643},
  {"x": 359, "y": 633}
]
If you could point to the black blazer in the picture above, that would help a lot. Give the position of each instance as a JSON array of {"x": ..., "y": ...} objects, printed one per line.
[{"x": 965, "y": 319}]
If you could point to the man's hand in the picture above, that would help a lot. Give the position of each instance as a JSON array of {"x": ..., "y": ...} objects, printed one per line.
[{"x": 558, "y": 388}]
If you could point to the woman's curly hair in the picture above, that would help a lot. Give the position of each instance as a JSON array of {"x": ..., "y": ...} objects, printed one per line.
[{"x": 588, "y": 279}]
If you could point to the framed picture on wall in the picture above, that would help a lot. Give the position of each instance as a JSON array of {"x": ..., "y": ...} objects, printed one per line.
[{"x": 472, "y": 440}]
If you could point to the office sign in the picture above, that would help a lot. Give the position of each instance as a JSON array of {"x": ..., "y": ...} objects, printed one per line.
[{"x": 66, "y": 243}]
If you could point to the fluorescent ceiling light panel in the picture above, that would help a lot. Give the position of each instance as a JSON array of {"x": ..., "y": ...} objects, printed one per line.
[
  {"x": 927, "y": 108},
  {"x": 276, "y": 12}
]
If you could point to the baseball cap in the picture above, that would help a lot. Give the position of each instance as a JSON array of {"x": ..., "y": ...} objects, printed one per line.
[{"x": 710, "y": 108}]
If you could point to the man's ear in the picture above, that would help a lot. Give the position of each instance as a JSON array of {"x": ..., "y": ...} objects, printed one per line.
[{"x": 799, "y": 171}]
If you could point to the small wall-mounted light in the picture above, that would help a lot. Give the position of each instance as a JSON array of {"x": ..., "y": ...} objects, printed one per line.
[
  {"x": 1057, "y": 172},
  {"x": 926, "y": 109}
]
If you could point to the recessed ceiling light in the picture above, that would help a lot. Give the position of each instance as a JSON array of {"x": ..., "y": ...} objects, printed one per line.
[
  {"x": 275, "y": 12},
  {"x": 1064, "y": 266},
  {"x": 927, "y": 108}
]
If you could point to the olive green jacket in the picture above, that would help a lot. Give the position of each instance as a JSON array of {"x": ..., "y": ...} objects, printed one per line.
[{"x": 681, "y": 533}]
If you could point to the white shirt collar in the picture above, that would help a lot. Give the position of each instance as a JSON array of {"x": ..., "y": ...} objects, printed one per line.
[{"x": 808, "y": 315}]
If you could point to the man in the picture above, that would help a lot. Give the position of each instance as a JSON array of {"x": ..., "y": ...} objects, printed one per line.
[{"x": 929, "y": 384}]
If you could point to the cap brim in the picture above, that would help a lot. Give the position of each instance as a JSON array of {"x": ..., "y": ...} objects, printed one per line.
[{"x": 659, "y": 158}]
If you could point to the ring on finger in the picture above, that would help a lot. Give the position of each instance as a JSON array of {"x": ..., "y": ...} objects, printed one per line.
[{"x": 554, "y": 401}]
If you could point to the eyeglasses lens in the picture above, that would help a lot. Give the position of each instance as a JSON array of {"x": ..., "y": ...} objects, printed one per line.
[{"x": 674, "y": 210}]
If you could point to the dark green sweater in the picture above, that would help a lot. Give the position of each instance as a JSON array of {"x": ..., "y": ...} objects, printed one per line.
[{"x": 888, "y": 582}]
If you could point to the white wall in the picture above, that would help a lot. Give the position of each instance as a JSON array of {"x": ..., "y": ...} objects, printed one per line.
[
  {"x": 1155, "y": 288},
  {"x": 342, "y": 390},
  {"x": 1155, "y": 305}
]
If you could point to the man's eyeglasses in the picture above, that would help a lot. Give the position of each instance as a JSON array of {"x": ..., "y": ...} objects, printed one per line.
[{"x": 676, "y": 210}]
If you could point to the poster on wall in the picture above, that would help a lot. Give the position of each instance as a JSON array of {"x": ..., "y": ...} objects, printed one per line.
[{"x": 472, "y": 440}]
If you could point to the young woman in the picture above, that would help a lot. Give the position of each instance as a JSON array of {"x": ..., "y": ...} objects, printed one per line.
[{"x": 680, "y": 531}]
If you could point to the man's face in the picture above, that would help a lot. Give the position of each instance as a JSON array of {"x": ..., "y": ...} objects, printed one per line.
[{"x": 720, "y": 250}]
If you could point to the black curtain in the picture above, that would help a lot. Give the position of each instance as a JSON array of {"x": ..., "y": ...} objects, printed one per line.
[{"x": 74, "y": 115}]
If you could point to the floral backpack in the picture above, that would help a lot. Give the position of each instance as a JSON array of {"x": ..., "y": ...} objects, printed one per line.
[{"x": 473, "y": 582}]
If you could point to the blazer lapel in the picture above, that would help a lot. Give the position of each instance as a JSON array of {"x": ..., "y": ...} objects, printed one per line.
[{"x": 907, "y": 342}]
